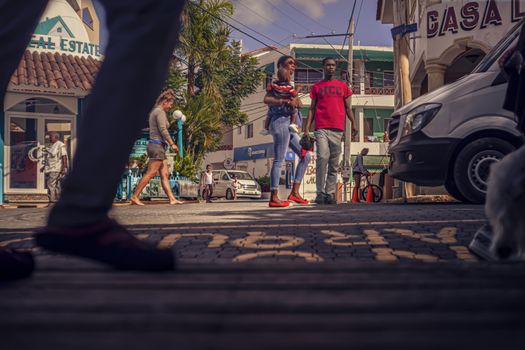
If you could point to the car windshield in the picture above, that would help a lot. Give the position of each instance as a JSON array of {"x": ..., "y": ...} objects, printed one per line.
[
  {"x": 498, "y": 50},
  {"x": 240, "y": 175}
]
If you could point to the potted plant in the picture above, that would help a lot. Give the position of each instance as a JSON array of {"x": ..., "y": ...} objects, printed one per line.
[{"x": 264, "y": 182}]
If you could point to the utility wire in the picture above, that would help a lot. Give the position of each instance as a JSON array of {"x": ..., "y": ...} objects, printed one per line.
[
  {"x": 307, "y": 16},
  {"x": 263, "y": 17}
]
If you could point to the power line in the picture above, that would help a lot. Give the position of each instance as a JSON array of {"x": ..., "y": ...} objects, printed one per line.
[
  {"x": 286, "y": 15},
  {"x": 307, "y": 16},
  {"x": 263, "y": 17}
]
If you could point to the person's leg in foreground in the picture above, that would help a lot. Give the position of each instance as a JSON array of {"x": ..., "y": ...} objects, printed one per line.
[
  {"x": 143, "y": 34},
  {"x": 19, "y": 19},
  {"x": 295, "y": 195},
  {"x": 321, "y": 166},
  {"x": 281, "y": 140},
  {"x": 165, "y": 182}
]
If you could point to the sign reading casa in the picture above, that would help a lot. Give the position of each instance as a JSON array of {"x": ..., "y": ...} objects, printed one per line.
[
  {"x": 64, "y": 45},
  {"x": 470, "y": 15}
]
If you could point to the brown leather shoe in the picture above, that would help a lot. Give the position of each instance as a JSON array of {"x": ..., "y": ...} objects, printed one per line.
[
  {"x": 107, "y": 242},
  {"x": 15, "y": 265}
]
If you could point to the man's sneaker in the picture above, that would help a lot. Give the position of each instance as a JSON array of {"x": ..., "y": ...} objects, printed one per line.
[
  {"x": 107, "y": 242},
  {"x": 330, "y": 199},
  {"x": 320, "y": 199},
  {"x": 15, "y": 265},
  {"x": 264, "y": 132},
  {"x": 293, "y": 128},
  {"x": 481, "y": 243}
]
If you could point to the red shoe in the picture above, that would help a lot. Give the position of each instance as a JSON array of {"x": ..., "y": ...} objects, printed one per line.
[
  {"x": 278, "y": 205},
  {"x": 298, "y": 200}
]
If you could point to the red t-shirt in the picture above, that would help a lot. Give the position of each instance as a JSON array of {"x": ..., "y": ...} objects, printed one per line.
[{"x": 330, "y": 108}]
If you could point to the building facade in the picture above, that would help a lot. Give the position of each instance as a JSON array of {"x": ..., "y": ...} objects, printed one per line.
[
  {"x": 47, "y": 93},
  {"x": 372, "y": 103},
  {"x": 452, "y": 36}
]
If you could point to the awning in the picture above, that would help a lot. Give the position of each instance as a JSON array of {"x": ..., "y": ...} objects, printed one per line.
[{"x": 359, "y": 54}]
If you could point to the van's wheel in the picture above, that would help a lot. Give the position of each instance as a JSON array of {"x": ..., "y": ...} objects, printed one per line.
[
  {"x": 229, "y": 194},
  {"x": 453, "y": 190},
  {"x": 472, "y": 165}
]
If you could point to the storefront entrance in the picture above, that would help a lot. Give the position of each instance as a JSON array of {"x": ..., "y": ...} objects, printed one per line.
[{"x": 27, "y": 128}]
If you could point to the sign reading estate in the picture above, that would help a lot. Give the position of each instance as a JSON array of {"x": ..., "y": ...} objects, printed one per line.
[
  {"x": 63, "y": 45},
  {"x": 470, "y": 15}
]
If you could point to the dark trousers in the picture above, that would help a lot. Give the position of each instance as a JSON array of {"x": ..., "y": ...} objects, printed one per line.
[
  {"x": 143, "y": 34},
  {"x": 208, "y": 192}
]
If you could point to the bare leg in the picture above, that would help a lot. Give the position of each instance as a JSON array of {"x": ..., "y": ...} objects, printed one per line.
[
  {"x": 165, "y": 182},
  {"x": 153, "y": 168},
  {"x": 275, "y": 197},
  {"x": 295, "y": 190}
]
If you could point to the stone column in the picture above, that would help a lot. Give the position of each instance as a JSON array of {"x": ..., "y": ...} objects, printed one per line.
[{"x": 436, "y": 75}]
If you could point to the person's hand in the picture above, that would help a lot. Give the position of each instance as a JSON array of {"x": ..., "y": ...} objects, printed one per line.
[
  {"x": 175, "y": 148},
  {"x": 506, "y": 55},
  {"x": 293, "y": 103},
  {"x": 354, "y": 131},
  {"x": 63, "y": 172}
]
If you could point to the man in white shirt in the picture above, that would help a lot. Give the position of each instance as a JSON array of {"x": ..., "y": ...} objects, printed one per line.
[{"x": 55, "y": 166}]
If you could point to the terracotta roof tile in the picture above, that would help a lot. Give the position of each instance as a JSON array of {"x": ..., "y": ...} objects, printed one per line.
[{"x": 44, "y": 69}]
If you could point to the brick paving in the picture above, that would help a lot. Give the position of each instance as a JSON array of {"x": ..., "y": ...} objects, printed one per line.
[{"x": 317, "y": 277}]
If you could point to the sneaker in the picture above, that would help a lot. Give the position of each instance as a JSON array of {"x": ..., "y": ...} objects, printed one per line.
[
  {"x": 15, "y": 265},
  {"x": 320, "y": 199},
  {"x": 330, "y": 199},
  {"x": 293, "y": 128},
  {"x": 264, "y": 132},
  {"x": 481, "y": 243},
  {"x": 109, "y": 243}
]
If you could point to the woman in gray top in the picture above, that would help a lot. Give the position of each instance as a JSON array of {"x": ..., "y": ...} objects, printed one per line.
[{"x": 159, "y": 137}]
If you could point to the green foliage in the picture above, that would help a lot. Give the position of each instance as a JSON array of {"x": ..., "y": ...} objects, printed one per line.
[{"x": 185, "y": 166}]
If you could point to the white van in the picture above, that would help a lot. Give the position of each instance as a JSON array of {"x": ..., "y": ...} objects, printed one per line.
[
  {"x": 223, "y": 184},
  {"x": 452, "y": 135}
]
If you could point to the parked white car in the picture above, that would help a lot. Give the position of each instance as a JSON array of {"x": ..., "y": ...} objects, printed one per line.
[{"x": 249, "y": 188}]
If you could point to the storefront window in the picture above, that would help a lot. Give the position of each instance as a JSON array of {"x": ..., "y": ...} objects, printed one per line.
[
  {"x": 23, "y": 139},
  {"x": 40, "y": 105}
]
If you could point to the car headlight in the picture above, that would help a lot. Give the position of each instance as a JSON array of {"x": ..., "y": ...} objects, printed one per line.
[{"x": 420, "y": 116}]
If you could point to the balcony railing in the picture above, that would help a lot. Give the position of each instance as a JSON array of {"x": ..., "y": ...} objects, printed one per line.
[{"x": 306, "y": 88}]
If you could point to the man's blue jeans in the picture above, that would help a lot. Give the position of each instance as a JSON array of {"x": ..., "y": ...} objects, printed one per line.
[{"x": 282, "y": 140}]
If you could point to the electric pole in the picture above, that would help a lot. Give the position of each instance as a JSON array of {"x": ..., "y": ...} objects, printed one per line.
[{"x": 347, "y": 168}]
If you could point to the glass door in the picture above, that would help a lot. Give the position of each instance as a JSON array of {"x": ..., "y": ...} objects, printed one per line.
[
  {"x": 27, "y": 137},
  {"x": 23, "y": 171}
]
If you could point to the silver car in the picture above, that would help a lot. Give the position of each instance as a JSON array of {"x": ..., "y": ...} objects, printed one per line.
[{"x": 223, "y": 179}]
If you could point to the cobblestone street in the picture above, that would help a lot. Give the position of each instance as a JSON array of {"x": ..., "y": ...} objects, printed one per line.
[{"x": 319, "y": 277}]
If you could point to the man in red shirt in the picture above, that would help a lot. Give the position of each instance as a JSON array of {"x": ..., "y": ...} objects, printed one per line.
[{"x": 330, "y": 103}]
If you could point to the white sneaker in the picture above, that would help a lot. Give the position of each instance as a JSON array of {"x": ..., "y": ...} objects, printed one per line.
[
  {"x": 293, "y": 128},
  {"x": 264, "y": 132}
]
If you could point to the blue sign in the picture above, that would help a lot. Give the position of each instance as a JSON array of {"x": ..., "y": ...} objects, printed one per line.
[
  {"x": 253, "y": 152},
  {"x": 403, "y": 29}
]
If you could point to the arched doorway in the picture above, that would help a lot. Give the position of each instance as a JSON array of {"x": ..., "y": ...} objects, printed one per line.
[
  {"x": 28, "y": 124},
  {"x": 463, "y": 65}
]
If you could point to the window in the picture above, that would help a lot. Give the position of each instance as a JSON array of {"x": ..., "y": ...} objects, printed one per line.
[
  {"x": 388, "y": 79},
  {"x": 87, "y": 18},
  {"x": 369, "y": 129},
  {"x": 307, "y": 76},
  {"x": 225, "y": 177},
  {"x": 59, "y": 30},
  {"x": 239, "y": 130},
  {"x": 249, "y": 131}
]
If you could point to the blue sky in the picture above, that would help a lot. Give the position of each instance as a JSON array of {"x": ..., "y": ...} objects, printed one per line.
[{"x": 281, "y": 19}]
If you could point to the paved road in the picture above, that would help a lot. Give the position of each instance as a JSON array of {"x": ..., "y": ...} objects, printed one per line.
[{"x": 316, "y": 277}]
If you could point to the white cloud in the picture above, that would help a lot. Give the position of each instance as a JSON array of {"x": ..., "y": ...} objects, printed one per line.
[{"x": 246, "y": 10}]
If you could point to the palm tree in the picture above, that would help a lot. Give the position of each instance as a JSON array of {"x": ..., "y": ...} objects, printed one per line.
[{"x": 203, "y": 41}]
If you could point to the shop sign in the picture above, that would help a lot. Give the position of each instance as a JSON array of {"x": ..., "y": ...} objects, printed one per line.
[
  {"x": 471, "y": 15},
  {"x": 64, "y": 45},
  {"x": 228, "y": 164}
]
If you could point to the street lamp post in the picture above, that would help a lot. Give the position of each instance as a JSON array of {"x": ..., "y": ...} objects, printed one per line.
[{"x": 181, "y": 118}]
